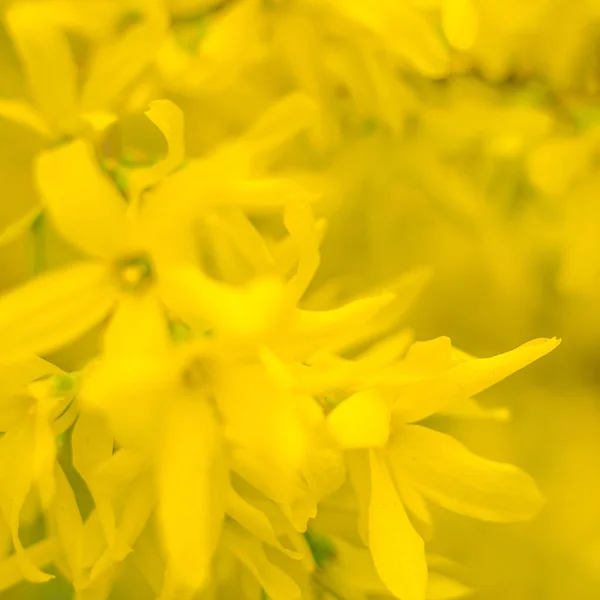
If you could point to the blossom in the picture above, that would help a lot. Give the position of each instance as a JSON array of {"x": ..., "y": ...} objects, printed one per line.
[{"x": 394, "y": 462}]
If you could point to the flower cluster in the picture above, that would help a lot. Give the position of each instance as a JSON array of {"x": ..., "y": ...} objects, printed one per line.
[{"x": 222, "y": 410}]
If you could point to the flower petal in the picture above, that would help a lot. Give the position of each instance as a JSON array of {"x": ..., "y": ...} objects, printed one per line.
[
  {"x": 40, "y": 554},
  {"x": 168, "y": 117},
  {"x": 300, "y": 222},
  {"x": 69, "y": 526},
  {"x": 404, "y": 30},
  {"x": 248, "y": 311},
  {"x": 433, "y": 394},
  {"x": 460, "y": 23},
  {"x": 276, "y": 582},
  {"x": 279, "y": 124},
  {"x": 84, "y": 204},
  {"x": 120, "y": 61},
  {"x": 48, "y": 62},
  {"x": 92, "y": 446},
  {"x": 20, "y": 227},
  {"x": 360, "y": 421},
  {"x": 316, "y": 329},
  {"x": 190, "y": 490},
  {"x": 53, "y": 310},
  {"x": 25, "y": 115},
  {"x": 254, "y": 521},
  {"x": 440, "y": 587},
  {"x": 18, "y": 477},
  {"x": 398, "y": 551},
  {"x": 444, "y": 471}
]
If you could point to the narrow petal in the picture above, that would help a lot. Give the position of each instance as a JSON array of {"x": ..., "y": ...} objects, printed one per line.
[
  {"x": 444, "y": 471},
  {"x": 48, "y": 63},
  {"x": 40, "y": 554},
  {"x": 398, "y": 551},
  {"x": 404, "y": 30},
  {"x": 69, "y": 526},
  {"x": 92, "y": 446},
  {"x": 18, "y": 478},
  {"x": 118, "y": 62},
  {"x": 360, "y": 421},
  {"x": 279, "y": 124},
  {"x": 84, "y": 204},
  {"x": 254, "y": 521},
  {"x": 190, "y": 489},
  {"x": 415, "y": 505},
  {"x": 471, "y": 409},
  {"x": 20, "y": 227},
  {"x": 15, "y": 399},
  {"x": 277, "y": 583},
  {"x": 460, "y": 23},
  {"x": 316, "y": 329},
  {"x": 267, "y": 430},
  {"x": 299, "y": 220},
  {"x": 53, "y": 310},
  {"x": 248, "y": 311},
  {"x": 25, "y": 115},
  {"x": 440, "y": 587},
  {"x": 360, "y": 477},
  {"x": 465, "y": 379},
  {"x": 168, "y": 117},
  {"x": 131, "y": 384}
]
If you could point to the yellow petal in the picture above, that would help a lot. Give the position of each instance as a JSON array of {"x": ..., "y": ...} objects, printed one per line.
[
  {"x": 118, "y": 62},
  {"x": 316, "y": 329},
  {"x": 69, "y": 526},
  {"x": 444, "y": 471},
  {"x": 434, "y": 394},
  {"x": 254, "y": 521},
  {"x": 53, "y": 310},
  {"x": 132, "y": 382},
  {"x": 20, "y": 227},
  {"x": 301, "y": 46},
  {"x": 414, "y": 503},
  {"x": 269, "y": 434},
  {"x": 403, "y": 29},
  {"x": 24, "y": 114},
  {"x": 247, "y": 311},
  {"x": 48, "y": 62},
  {"x": 18, "y": 477},
  {"x": 190, "y": 489},
  {"x": 359, "y": 475},
  {"x": 440, "y": 587},
  {"x": 15, "y": 377},
  {"x": 360, "y": 421},
  {"x": 397, "y": 549},
  {"x": 40, "y": 554},
  {"x": 92, "y": 446},
  {"x": 471, "y": 409},
  {"x": 43, "y": 454},
  {"x": 300, "y": 222},
  {"x": 460, "y": 23},
  {"x": 279, "y": 124},
  {"x": 168, "y": 117},
  {"x": 84, "y": 204},
  {"x": 277, "y": 583}
]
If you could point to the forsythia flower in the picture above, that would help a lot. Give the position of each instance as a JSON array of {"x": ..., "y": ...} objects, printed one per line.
[{"x": 225, "y": 180}]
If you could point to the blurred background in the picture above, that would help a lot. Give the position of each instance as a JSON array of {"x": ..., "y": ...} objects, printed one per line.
[{"x": 458, "y": 135}]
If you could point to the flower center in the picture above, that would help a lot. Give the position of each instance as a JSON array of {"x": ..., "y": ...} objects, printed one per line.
[{"x": 135, "y": 273}]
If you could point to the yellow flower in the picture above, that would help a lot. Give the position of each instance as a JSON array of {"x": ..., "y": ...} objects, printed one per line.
[
  {"x": 140, "y": 248},
  {"x": 394, "y": 463},
  {"x": 39, "y": 31},
  {"x": 36, "y": 406}
]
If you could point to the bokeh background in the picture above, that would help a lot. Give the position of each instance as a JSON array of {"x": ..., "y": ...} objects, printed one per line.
[{"x": 460, "y": 136}]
